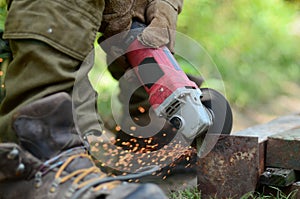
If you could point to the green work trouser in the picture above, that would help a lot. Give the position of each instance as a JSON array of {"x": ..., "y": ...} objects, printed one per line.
[{"x": 49, "y": 40}]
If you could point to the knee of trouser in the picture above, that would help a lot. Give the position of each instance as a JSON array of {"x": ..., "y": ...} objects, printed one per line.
[{"x": 69, "y": 26}]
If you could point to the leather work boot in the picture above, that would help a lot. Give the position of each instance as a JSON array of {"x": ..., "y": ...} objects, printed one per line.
[
  {"x": 60, "y": 167},
  {"x": 16, "y": 163}
]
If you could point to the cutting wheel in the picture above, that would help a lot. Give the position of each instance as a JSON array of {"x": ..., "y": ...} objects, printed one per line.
[
  {"x": 221, "y": 113},
  {"x": 220, "y": 110}
]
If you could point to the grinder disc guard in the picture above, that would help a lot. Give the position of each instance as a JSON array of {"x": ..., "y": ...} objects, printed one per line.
[{"x": 221, "y": 112}]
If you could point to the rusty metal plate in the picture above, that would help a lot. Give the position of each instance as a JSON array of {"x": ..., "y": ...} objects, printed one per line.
[
  {"x": 283, "y": 150},
  {"x": 231, "y": 168},
  {"x": 278, "y": 125}
]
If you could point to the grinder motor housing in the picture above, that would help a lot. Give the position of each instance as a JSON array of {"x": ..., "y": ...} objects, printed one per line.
[{"x": 171, "y": 94}]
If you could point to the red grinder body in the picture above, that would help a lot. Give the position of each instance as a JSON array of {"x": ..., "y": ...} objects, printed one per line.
[
  {"x": 163, "y": 73},
  {"x": 171, "y": 94}
]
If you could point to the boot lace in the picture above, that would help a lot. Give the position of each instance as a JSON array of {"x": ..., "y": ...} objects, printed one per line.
[{"x": 79, "y": 185}]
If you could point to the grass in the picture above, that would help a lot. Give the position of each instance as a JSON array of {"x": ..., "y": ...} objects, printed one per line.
[
  {"x": 193, "y": 193},
  {"x": 189, "y": 193},
  {"x": 278, "y": 195}
]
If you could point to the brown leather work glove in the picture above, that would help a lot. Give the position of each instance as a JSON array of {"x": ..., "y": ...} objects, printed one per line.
[{"x": 160, "y": 16}]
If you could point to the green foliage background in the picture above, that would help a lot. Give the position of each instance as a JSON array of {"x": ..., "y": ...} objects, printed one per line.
[{"x": 252, "y": 43}]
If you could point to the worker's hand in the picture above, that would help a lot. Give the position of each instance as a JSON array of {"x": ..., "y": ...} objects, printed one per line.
[{"x": 161, "y": 15}]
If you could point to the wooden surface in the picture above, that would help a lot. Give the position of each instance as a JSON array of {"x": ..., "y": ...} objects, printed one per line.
[
  {"x": 283, "y": 150},
  {"x": 279, "y": 125}
]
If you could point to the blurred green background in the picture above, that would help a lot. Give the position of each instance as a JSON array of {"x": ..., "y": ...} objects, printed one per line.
[{"x": 254, "y": 44}]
